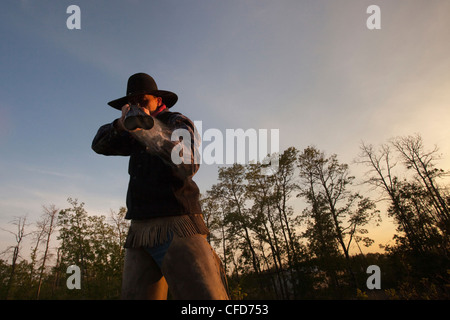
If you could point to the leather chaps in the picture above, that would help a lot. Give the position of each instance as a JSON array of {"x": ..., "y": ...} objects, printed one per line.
[{"x": 191, "y": 270}]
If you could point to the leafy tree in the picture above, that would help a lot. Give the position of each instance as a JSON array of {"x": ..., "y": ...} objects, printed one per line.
[
  {"x": 233, "y": 190},
  {"x": 327, "y": 184},
  {"x": 215, "y": 209},
  {"x": 264, "y": 222},
  {"x": 94, "y": 245}
]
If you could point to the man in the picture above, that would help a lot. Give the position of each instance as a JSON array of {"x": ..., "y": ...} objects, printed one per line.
[{"x": 166, "y": 245}]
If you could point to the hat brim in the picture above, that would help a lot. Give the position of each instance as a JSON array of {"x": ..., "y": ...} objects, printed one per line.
[{"x": 169, "y": 99}]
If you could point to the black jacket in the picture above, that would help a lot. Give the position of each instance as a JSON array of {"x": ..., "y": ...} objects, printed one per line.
[{"x": 157, "y": 186}]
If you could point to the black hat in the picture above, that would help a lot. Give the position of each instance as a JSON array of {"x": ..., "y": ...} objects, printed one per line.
[{"x": 142, "y": 83}]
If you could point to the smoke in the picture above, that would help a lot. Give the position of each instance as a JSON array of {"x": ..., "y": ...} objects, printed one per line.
[{"x": 157, "y": 139}]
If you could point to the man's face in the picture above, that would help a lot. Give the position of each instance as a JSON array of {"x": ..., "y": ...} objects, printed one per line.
[{"x": 146, "y": 102}]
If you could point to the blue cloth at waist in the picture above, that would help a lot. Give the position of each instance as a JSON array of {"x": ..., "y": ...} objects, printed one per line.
[{"x": 158, "y": 252}]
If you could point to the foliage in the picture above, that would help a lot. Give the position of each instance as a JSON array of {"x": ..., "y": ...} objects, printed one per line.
[{"x": 90, "y": 242}]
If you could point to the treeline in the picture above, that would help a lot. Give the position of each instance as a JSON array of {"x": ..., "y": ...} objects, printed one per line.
[
  {"x": 271, "y": 248},
  {"x": 60, "y": 239}
]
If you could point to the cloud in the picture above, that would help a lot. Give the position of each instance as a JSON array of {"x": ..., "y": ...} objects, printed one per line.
[{"x": 64, "y": 175}]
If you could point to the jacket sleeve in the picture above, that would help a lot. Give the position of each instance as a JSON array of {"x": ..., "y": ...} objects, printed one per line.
[
  {"x": 176, "y": 142},
  {"x": 109, "y": 141}
]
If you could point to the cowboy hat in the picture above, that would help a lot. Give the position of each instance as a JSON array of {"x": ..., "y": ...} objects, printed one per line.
[{"x": 142, "y": 83}]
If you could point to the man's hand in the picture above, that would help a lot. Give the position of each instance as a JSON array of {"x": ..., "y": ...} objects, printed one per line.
[
  {"x": 125, "y": 110},
  {"x": 119, "y": 122}
]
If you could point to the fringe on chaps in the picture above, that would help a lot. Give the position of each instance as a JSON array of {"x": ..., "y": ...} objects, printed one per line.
[{"x": 155, "y": 231}]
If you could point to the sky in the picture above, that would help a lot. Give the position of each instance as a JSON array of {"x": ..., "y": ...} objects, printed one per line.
[{"x": 311, "y": 69}]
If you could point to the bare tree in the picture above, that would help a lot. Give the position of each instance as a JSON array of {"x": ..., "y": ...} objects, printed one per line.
[
  {"x": 414, "y": 155},
  {"x": 46, "y": 226},
  {"x": 20, "y": 223},
  {"x": 418, "y": 206},
  {"x": 380, "y": 175}
]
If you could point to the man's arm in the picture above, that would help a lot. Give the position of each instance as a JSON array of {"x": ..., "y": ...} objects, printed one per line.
[{"x": 110, "y": 140}]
